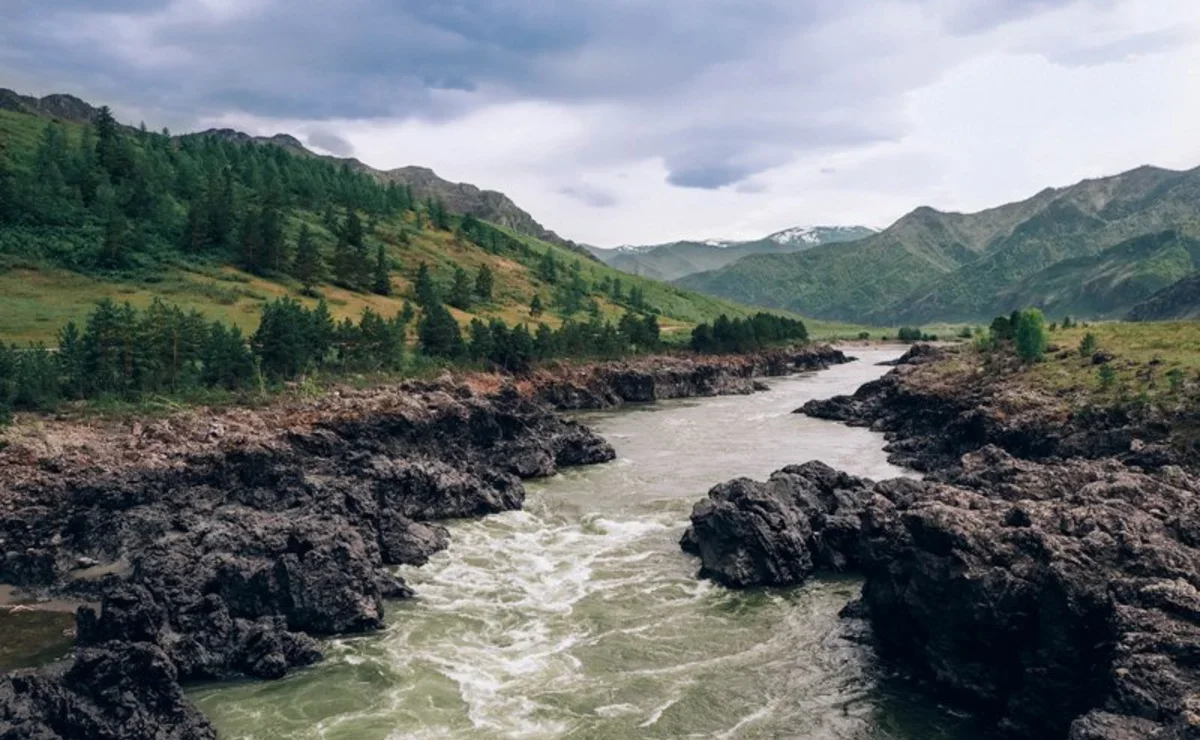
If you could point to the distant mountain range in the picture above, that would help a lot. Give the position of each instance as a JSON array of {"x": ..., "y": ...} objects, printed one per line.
[
  {"x": 1094, "y": 249},
  {"x": 489, "y": 205},
  {"x": 675, "y": 260}
]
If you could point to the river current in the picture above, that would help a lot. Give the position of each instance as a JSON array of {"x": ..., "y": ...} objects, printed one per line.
[{"x": 579, "y": 617}]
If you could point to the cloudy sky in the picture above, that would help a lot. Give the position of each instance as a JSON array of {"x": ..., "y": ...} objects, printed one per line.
[{"x": 640, "y": 121}]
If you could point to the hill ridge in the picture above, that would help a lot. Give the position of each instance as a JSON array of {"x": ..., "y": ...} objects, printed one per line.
[{"x": 932, "y": 265}]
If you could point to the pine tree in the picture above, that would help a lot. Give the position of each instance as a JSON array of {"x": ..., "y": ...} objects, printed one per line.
[
  {"x": 382, "y": 279},
  {"x": 116, "y": 237},
  {"x": 535, "y": 306},
  {"x": 358, "y": 267},
  {"x": 252, "y": 242},
  {"x": 460, "y": 290},
  {"x": 484, "y": 284},
  {"x": 548, "y": 268},
  {"x": 439, "y": 333},
  {"x": 426, "y": 292},
  {"x": 307, "y": 266}
]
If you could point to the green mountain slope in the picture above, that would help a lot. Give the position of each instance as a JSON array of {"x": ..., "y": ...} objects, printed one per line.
[
  {"x": 679, "y": 259},
  {"x": 933, "y": 266},
  {"x": 1180, "y": 300},
  {"x": 1106, "y": 285},
  {"x": 95, "y": 210}
]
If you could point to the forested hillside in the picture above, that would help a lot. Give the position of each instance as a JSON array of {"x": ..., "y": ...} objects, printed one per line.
[
  {"x": 224, "y": 224},
  {"x": 933, "y": 266}
]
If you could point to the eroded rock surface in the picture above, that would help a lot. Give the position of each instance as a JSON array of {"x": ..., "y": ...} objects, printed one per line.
[
  {"x": 804, "y": 518},
  {"x": 1062, "y": 598}
]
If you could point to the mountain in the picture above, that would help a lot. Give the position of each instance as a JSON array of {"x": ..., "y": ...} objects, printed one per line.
[
  {"x": 678, "y": 259},
  {"x": 58, "y": 106},
  {"x": 931, "y": 265},
  {"x": 1180, "y": 300},
  {"x": 489, "y": 205},
  {"x": 1107, "y": 284},
  {"x": 212, "y": 222}
]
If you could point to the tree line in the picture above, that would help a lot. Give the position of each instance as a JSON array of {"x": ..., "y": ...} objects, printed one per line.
[
  {"x": 737, "y": 335},
  {"x": 126, "y": 353}
]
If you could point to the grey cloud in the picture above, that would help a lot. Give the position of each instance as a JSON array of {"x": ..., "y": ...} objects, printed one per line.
[
  {"x": 719, "y": 90},
  {"x": 708, "y": 177},
  {"x": 330, "y": 142},
  {"x": 592, "y": 196}
]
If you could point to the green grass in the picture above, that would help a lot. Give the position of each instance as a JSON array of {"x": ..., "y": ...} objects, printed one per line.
[{"x": 1144, "y": 355}]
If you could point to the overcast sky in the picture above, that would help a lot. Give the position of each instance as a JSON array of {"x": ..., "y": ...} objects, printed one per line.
[{"x": 642, "y": 121}]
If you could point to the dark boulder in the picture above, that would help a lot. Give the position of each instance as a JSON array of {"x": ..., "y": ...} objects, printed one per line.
[
  {"x": 117, "y": 691},
  {"x": 804, "y": 518}
]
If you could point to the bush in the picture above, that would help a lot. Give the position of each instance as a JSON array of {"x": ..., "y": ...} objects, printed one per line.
[
  {"x": 1175, "y": 378},
  {"x": 1107, "y": 376},
  {"x": 910, "y": 334},
  {"x": 864, "y": 335},
  {"x": 1087, "y": 345},
  {"x": 1031, "y": 336}
]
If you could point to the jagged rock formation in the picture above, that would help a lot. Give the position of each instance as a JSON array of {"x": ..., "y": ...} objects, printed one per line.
[
  {"x": 125, "y": 691},
  {"x": 1063, "y": 598},
  {"x": 58, "y": 106},
  {"x": 227, "y": 558},
  {"x": 1049, "y": 577},
  {"x": 777, "y": 533}
]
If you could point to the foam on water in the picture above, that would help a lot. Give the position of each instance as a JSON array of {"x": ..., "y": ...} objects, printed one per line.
[{"x": 580, "y": 617}]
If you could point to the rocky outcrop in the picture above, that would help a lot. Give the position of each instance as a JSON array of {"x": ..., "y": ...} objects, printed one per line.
[
  {"x": 125, "y": 691},
  {"x": 803, "y": 519},
  {"x": 1062, "y": 598},
  {"x": 225, "y": 557},
  {"x": 933, "y": 412},
  {"x": 615, "y": 384}
]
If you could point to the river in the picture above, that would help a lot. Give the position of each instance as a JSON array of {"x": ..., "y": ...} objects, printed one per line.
[{"x": 579, "y": 617}]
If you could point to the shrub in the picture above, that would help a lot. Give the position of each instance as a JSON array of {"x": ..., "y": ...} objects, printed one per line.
[
  {"x": 864, "y": 335},
  {"x": 1087, "y": 345},
  {"x": 1107, "y": 375},
  {"x": 1175, "y": 378},
  {"x": 1030, "y": 335},
  {"x": 909, "y": 334}
]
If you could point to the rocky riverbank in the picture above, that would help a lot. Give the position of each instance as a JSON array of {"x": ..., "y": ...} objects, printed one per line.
[
  {"x": 219, "y": 545},
  {"x": 940, "y": 403},
  {"x": 1059, "y": 594}
]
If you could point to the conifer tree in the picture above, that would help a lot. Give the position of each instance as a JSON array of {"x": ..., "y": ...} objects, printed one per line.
[
  {"x": 382, "y": 279},
  {"x": 535, "y": 306},
  {"x": 484, "y": 284},
  {"x": 439, "y": 333},
  {"x": 426, "y": 292},
  {"x": 461, "y": 290},
  {"x": 307, "y": 266}
]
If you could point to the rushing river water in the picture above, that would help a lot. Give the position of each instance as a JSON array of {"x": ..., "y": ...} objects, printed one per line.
[{"x": 580, "y": 617}]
